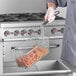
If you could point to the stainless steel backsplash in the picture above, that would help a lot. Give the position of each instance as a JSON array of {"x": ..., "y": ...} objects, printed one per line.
[{"x": 22, "y": 6}]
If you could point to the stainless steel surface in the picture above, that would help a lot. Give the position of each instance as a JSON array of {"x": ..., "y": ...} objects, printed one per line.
[
  {"x": 27, "y": 23},
  {"x": 51, "y": 67},
  {"x": 20, "y": 32},
  {"x": 68, "y": 74},
  {"x": 19, "y": 6},
  {"x": 35, "y": 26},
  {"x": 23, "y": 6},
  {"x": 54, "y": 48},
  {"x": 17, "y": 39},
  {"x": 21, "y": 48},
  {"x": 23, "y": 43}
]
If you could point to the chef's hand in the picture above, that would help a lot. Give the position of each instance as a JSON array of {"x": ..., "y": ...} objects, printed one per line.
[{"x": 49, "y": 16}]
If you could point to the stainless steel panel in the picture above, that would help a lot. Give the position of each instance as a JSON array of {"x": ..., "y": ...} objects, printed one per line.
[
  {"x": 68, "y": 74},
  {"x": 49, "y": 67},
  {"x": 14, "y": 49},
  {"x": 36, "y": 32},
  {"x": 55, "y": 49},
  {"x": 54, "y": 30},
  {"x": 22, "y": 6},
  {"x": 12, "y": 27}
]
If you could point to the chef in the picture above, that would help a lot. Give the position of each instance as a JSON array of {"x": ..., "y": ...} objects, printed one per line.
[{"x": 69, "y": 39}]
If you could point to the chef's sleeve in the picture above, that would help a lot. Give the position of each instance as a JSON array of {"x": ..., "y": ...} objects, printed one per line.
[{"x": 60, "y": 3}]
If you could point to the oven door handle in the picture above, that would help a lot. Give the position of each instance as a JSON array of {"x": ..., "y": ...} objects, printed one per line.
[
  {"x": 24, "y": 48},
  {"x": 54, "y": 45},
  {"x": 20, "y": 48}
]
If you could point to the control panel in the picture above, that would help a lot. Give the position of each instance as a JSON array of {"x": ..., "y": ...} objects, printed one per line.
[
  {"x": 31, "y": 30},
  {"x": 23, "y": 32},
  {"x": 54, "y": 30}
]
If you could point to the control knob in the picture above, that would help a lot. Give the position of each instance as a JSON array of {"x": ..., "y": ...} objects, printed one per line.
[
  {"x": 39, "y": 31},
  {"x": 23, "y": 32},
  {"x": 54, "y": 30},
  {"x": 30, "y": 31},
  {"x": 6, "y": 33},
  {"x": 62, "y": 30},
  {"x": 16, "y": 33}
]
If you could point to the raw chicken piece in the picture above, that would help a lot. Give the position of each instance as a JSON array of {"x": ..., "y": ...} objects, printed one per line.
[
  {"x": 20, "y": 62},
  {"x": 33, "y": 56}
]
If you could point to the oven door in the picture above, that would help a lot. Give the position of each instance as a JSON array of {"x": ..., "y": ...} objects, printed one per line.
[
  {"x": 45, "y": 67},
  {"x": 55, "y": 47},
  {"x": 13, "y": 49}
]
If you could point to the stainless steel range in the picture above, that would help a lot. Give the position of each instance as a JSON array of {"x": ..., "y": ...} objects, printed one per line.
[
  {"x": 20, "y": 32},
  {"x": 19, "y": 27}
]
